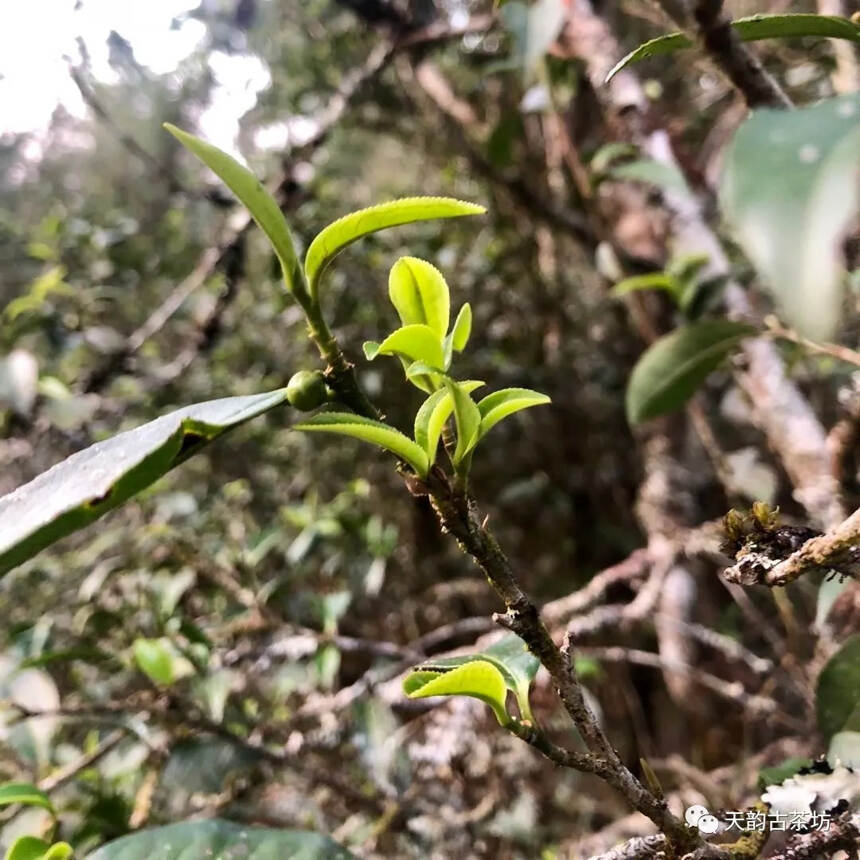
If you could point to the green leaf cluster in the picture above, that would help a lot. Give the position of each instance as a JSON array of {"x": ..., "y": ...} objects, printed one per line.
[{"x": 425, "y": 345}]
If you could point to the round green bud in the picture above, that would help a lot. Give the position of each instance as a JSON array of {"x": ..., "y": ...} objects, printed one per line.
[{"x": 307, "y": 390}]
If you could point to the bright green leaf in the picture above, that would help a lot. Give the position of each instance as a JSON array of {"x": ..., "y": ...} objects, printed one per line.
[
  {"x": 159, "y": 660},
  {"x": 27, "y": 848},
  {"x": 433, "y": 414},
  {"x": 416, "y": 342},
  {"x": 92, "y": 482},
  {"x": 468, "y": 419},
  {"x": 419, "y": 293},
  {"x": 750, "y": 29},
  {"x": 479, "y": 679},
  {"x": 343, "y": 232},
  {"x": 462, "y": 328},
  {"x": 58, "y": 851},
  {"x": 216, "y": 839},
  {"x": 375, "y": 432},
  {"x": 651, "y": 281},
  {"x": 670, "y": 370},
  {"x": 25, "y": 794},
  {"x": 500, "y": 404},
  {"x": 262, "y": 206},
  {"x": 790, "y": 192},
  {"x": 837, "y": 694}
]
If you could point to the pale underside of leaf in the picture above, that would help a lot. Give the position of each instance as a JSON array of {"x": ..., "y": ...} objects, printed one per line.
[
  {"x": 749, "y": 29},
  {"x": 367, "y": 430},
  {"x": 500, "y": 404},
  {"x": 348, "y": 229},
  {"x": 92, "y": 482},
  {"x": 790, "y": 191}
]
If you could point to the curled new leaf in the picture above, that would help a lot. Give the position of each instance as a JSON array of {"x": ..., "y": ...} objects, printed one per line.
[
  {"x": 479, "y": 679},
  {"x": 749, "y": 30},
  {"x": 262, "y": 206},
  {"x": 670, "y": 370},
  {"x": 416, "y": 342},
  {"x": 459, "y": 336},
  {"x": 433, "y": 414},
  {"x": 343, "y": 232},
  {"x": 419, "y": 293},
  {"x": 498, "y": 405},
  {"x": 375, "y": 432},
  {"x": 468, "y": 419}
]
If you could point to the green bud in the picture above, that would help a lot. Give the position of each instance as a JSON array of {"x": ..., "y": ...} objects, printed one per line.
[{"x": 307, "y": 390}]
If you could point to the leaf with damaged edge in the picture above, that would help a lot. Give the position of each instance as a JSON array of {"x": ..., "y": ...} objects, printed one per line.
[
  {"x": 479, "y": 679},
  {"x": 92, "y": 482}
]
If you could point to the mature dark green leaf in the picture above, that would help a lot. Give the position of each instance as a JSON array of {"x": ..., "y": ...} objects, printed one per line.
[
  {"x": 221, "y": 840},
  {"x": 670, "y": 370},
  {"x": 420, "y": 294},
  {"x": 500, "y": 404},
  {"x": 750, "y": 29},
  {"x": 25, "y": 794},
  {"x": 375, "y": 432},
  {"x": 92, "y": 482},
  {"x": 262, "y": 206},
  {"x": 837, "y": 694},
  {"x": 477, "y": 678},
  {"x": 330, "y": 241},
  {"x": 790, "y": 192}
]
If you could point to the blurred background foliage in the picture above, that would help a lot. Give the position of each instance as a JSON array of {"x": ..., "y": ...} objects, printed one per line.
[{"x": 102, "y": 216}]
